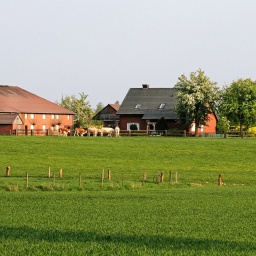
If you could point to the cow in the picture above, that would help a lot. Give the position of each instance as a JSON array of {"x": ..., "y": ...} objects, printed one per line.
[
  {"x": 64, "y": 131},
  {"x": 80, "y": 132},
  {"x": 106, "y": 130},
  {"x": 92, "y": 130},
  {"x": 117, "y": 131}
]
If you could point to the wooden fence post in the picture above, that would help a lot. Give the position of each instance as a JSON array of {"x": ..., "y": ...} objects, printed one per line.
[
  {"x": 185, "y": 133},
  {"x": 170, "y": 177},
  {"x": 109, "y": 175},
  {"x": 80, "y": 179},
  {"x": 162, "y": 177},
  {"x": 27, "y": 180},
  {"x": 49, "y": 172},
  {"x": 102, "y": 178},
  {"x": 144, "y": 177},
  {"x": 8, "y": 171},
  {"x": 176, "y": 177},
  {"x": 220, "y": 180},
  {"x": 60, "y": 173},
  {"x": 53, "y": 181}
]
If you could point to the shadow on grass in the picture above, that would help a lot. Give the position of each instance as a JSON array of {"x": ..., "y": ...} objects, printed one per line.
[{"x": 149, "y": 241}]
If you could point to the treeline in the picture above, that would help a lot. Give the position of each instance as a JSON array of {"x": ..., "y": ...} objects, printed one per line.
[{"x": 197, "y": 97}]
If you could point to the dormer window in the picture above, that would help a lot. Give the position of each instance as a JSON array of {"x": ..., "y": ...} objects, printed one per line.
[
  {"x": 138, "y": 106},
  {"x": 162, "y": 105}
]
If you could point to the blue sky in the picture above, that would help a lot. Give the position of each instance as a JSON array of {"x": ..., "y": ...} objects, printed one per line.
[{"x": 55, "y": 48}]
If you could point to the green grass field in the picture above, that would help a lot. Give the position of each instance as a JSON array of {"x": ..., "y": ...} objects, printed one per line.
[{"x": 126, "y": 216}]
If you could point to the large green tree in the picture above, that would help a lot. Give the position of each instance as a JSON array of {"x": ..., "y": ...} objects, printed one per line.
[
  {"x": 238, "y": 103},
  {"x": 196, "y": 99},
  {"x": 80, "y": 106}
]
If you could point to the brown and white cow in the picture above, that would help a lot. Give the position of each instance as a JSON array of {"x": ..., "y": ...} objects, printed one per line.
[
  {"x": 80, "y": 132},
  {"x": 64, "y": 131}
]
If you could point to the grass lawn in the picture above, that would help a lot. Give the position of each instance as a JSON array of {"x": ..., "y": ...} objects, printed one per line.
[{"x": 126, "y": 216}]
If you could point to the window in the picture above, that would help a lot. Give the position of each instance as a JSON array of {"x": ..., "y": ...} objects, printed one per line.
[
  {"x": 44, "y": 116},
  {"x": 68, "y": 117},
  {"x": 31, "y": 127},
  {"x": 32, "y": 116},
  {"x": 44, "y": 127},
  {"x": 52, "y": 116},
  {"x": 133, "y": 126},
  {"x": 57, "y": 116},
  {"x": 162, "y": 105},
  {"x": 138, "y": 106},
  {"x": 26, "y": 116}
]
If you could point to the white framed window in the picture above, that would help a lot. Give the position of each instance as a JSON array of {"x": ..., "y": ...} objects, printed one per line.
[
  {"x": 68, "y": 117},
  {"x": 26, "y": 116},
  {"x": 202, "y": 128},
  {"x": 31, "y": 127},
  {"x": 132, "y": 125},
  {"x": 138, "y": 106},
  {"x": 32, "y": 116},
  {"x": 44, "y": 127},
  {"x": 57, "y": 127},
  {"x": 44, "y": 116},
  {"x": 52, "y": 116},
  {"x": 162, "y": 106},
  {"x": 57, "y": 116}
]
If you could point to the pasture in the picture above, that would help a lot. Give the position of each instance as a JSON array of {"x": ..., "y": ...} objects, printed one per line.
[{"x": 127, "y": 216}]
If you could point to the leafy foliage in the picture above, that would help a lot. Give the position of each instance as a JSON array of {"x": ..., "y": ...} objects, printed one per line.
[
  {"x": 161, "y": 124},
  {"x": 81, "y": 107},
  {"x": 239, "y": 103},
  {"x": 197, "y": 97}
]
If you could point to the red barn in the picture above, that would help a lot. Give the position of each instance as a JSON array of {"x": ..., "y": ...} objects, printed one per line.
[{"x": 22, "y": 112}]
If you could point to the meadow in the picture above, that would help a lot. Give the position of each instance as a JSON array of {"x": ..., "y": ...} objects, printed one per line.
[{"x": 126, "y": 216}]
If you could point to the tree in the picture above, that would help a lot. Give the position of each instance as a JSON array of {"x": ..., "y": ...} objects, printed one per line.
[
  {"x": 238, "y": 103},
  {"x": 80, "y": 106},
  {"x": 161, "y": 124},
  {"x": 99, "y": 107},
  {"x": 196, "y": 99}
]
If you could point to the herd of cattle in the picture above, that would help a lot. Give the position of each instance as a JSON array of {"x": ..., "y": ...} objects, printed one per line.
[{"x": 91, "y": 131}]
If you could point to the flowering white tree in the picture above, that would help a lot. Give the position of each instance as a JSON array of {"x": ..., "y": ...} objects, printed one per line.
[{"x": 196, "y": 99}]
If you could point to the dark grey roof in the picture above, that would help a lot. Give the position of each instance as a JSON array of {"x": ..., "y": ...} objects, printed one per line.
[{"x": 148, "y": 101}]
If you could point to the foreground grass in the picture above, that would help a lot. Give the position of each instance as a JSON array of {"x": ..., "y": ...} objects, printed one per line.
[
  {"x": 198, "y": 161},
  {"x": 126, "y": 216},
  {"x": 183, "y": 221}
]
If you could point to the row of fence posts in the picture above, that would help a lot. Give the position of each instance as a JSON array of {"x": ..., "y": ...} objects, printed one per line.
[{"x": 159, "y": 178}]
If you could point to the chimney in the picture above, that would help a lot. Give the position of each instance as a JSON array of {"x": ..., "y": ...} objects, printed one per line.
[{"x": 145, "y": 86}]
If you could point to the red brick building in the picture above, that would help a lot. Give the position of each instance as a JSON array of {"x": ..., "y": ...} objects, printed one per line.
[
  {"x": 24, "y": 113},
  {"x": 144, "y": 106}
]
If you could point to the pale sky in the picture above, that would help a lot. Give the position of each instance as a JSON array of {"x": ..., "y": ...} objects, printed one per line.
[{"x": 55, "y": 48}]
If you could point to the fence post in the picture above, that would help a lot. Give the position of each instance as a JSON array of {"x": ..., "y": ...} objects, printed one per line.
[
  {"x": 176, "y": 177},
  {"x": 220, "y": 180},
  {"x": 8, "y": 171},
  {"x": 60, "y": 173},
  {"x": 185, "y": 133},
  {"x": 144, "y": 177},
  {"x": 27, "y": 180},
  {"x": 102, "y": 178},
  {"x": 162, "y": 177},
  {"x": 109, "y": 175},
  {"x": 80, "y": 180},
  {"x": 170, "y": 177},
  {"x": 49, "y": 172},
  {"x": 53, "y": 181}
]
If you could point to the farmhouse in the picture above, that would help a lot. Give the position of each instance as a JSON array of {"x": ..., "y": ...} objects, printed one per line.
[
  {"x": 108, "y": 115},
  {"x": 143, "y": 107},
  {"x": 22, "y": 112}
]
